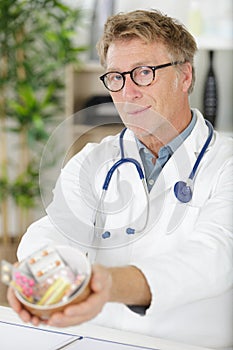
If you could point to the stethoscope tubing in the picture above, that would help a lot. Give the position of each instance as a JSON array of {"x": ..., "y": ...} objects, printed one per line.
[{"x": 203, "y": 150}]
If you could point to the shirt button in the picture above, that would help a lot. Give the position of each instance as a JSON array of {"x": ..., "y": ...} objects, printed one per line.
[
  {"x": 151, "y": 182},
  {"x": 145, "y": 150}
]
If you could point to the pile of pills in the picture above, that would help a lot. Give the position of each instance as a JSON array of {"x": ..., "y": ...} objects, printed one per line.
[{"x": 43, "y": 279}]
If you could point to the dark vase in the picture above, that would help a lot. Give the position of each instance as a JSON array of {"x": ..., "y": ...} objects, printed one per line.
[{"x": 210, "y": 102}]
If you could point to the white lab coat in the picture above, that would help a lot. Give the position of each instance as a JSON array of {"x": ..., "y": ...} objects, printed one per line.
[{"x": 186, "y": 251}]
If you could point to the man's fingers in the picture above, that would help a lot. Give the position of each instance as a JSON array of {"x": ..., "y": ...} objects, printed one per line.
[{"x": 13, "y": 301}]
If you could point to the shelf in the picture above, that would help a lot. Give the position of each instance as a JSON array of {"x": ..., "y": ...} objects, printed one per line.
[
  {"x": 84, "y": 83},
  {"x": 90, "y": 67},
  {"x": 82, "y": 134}
]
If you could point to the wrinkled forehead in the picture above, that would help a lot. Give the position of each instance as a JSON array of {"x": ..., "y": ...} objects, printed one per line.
[{"x": 135, "y": 52}]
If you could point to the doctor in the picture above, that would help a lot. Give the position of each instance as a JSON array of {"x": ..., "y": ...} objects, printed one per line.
[{"x": 160, "y": 233}]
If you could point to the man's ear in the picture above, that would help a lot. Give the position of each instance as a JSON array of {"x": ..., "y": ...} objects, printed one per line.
[{"x": 186, "y": 76}]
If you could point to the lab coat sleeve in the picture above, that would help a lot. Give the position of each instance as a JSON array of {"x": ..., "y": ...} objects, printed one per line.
[
  {"x": 38, "y": 235},
  {"x": 201, "y": 267},
  {"x": 68, "y": 219}
]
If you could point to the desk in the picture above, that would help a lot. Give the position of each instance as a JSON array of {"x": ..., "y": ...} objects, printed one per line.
[{"x": 88, "y": 330}]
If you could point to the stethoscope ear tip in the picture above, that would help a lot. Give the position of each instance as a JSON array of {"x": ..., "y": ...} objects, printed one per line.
[
  {"x": 106, "y": 234},
  {"x": 130, "y": 231},
  {"x": 183, "y": 192}
]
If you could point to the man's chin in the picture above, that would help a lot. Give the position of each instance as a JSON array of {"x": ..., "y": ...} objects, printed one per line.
[{"x": 139, "y": 132}]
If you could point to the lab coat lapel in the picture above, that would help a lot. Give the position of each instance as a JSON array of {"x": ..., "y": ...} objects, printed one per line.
[{"x": 180, "y": 165}]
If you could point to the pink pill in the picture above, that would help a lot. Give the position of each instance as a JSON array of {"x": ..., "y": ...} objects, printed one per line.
[{"x": 31, "y": 283}]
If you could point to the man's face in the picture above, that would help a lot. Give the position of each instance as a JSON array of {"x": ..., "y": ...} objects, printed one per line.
[{"x": 145, "y": 109}]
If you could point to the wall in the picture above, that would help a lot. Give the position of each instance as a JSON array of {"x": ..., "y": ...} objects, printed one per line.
[{"x": 178, "y": 9}]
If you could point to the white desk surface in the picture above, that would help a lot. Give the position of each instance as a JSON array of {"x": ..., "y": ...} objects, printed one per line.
[{"x": 110, "y": 334}]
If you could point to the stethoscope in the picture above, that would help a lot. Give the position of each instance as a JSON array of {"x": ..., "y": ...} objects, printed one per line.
[{"x": 183, "y": 190}]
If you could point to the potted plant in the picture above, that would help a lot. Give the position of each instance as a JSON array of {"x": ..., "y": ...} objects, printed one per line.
[{"x": 36, "y": 45}]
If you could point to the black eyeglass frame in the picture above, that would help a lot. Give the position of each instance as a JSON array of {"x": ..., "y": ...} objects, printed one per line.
[{"x": 123, "y": 74}]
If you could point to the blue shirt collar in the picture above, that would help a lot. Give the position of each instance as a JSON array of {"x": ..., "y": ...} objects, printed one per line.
[{"x": 174, "y": 144}]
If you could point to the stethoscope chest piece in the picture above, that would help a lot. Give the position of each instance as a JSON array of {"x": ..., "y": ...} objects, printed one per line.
[{"x": 183, "y": 192}]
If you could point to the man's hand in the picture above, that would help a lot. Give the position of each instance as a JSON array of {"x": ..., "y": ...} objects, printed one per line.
[
  {"x": 101, "y": 283},
  {"x": 19, "y": 308},
  {"x": 125, "y": 285}
]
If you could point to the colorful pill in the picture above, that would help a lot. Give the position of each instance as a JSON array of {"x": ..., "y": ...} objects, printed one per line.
[{"x": 54, "y": 293}]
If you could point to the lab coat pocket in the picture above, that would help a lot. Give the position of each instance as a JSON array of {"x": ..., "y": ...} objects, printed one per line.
[{"x": 182, "y": 218}]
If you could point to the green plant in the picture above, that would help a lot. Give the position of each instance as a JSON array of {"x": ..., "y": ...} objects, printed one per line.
[{"x": 36, "y": 44}]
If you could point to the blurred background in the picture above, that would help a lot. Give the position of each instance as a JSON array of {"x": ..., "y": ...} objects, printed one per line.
[{"x": 49, "y": 84}]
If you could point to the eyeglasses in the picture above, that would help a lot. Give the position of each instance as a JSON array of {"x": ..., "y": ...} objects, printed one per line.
[{"x": 141, "y": 76}]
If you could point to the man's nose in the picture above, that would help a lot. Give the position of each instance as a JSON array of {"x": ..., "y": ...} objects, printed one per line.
[{"x": 131, "y": 91}]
